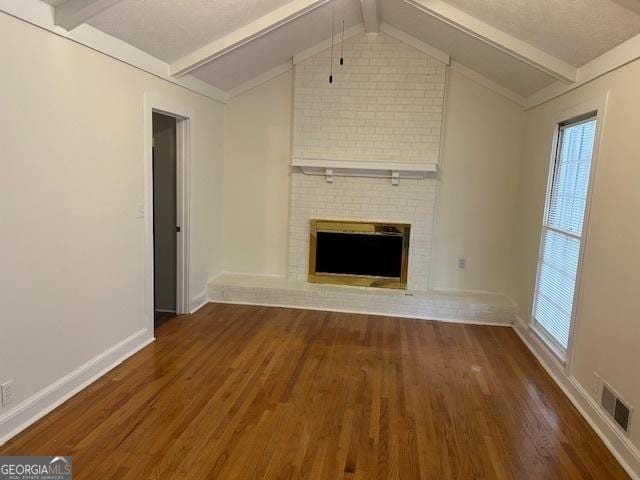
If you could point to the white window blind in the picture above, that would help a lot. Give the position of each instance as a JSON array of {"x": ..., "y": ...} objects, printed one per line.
[{"x": 562, "y": 230}]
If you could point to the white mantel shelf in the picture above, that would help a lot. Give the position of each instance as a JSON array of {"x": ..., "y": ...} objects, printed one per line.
[{"x": 355, "y": 168}]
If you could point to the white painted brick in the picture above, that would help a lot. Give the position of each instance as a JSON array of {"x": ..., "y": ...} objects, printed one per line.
[
  {"x": 386, "y": 103},
  {"x": 469, "y": 307},
  {"x": 378, "y": 70}
]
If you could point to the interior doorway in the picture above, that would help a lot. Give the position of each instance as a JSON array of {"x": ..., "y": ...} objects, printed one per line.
[
  {"x": 165, "y": 219},
  {"x": 166, "y": 208}
]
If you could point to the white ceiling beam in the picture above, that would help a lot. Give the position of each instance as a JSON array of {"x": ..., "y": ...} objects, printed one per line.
[
  {"x": 259, "y": 80},
  {"x": 370, "y": 16},
  {"x": 497, "y": 38},
  {"x": 243, "y": 35},
  {"x": 74, "y": 13},
  {"x": 633, "y": 5}
]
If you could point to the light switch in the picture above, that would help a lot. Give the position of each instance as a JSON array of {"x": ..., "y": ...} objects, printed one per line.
[{"x": 140, "y": 210}]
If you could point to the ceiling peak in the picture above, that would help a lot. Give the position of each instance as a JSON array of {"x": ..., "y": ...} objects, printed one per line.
[{"x": 370, "y": 16}]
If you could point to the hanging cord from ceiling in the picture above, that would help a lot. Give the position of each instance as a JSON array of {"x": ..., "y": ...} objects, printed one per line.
[
  {"x": 342, "y": 38},
  {"x": 333, "y": 23}
]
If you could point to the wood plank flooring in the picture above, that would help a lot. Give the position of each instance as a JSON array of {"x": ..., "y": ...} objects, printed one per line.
[{"x": 237, "y": 392}]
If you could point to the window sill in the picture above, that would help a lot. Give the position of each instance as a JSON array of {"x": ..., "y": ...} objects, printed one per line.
[{"x": 559, "y": 355}]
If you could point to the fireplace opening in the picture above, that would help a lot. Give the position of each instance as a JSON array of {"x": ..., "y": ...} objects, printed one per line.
[{"x": 359, "y": 253}]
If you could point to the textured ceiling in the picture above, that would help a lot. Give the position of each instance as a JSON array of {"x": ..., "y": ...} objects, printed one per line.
[
  {"x": 277, "y": 47},
  {"x": 576, "y": 31},
  {"x": 494, "y": 64},
  {"x": 169, "y": 29}
]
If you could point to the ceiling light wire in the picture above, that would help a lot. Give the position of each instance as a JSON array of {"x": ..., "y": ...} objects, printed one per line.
[
  {"x": 333, "y": 23},
  {"x": 342, "y": 38}
]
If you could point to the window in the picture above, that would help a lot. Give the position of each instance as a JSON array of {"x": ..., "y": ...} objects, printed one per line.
[{"x": 562, "y": 230}]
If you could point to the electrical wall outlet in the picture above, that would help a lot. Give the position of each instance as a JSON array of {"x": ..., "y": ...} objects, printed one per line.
[
  {"x": 7, "y": 392},
  {"x": 462, "y": 263}
]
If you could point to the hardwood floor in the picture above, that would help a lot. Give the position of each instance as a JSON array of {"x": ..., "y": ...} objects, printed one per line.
[
  {"x": 161, "y": 317},
  {"x": 249, "y": 392}
]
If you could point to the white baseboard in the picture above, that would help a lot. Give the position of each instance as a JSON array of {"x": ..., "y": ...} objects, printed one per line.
[
  {"x": 43, "y": 402},
  {"x": 618, "y": 444},
  {"x": 199, "y": 301},
  {"x": 366, "y": 312}
]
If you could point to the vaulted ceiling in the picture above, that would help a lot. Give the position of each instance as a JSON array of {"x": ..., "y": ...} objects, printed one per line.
[{"x": 524, "y": 46}]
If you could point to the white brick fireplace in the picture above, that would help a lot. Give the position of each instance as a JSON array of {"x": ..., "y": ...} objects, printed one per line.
[
  {"x": 366, "y": 148},
  {"x": 384, "y": 106}
]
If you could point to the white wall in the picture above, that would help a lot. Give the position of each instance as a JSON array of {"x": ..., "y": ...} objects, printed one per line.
[
  {"x": 608, "y": 332},
  {"x": 482, "y": 142},
  {"x": 479, "y": 172},
  {"x": 72, "y": 257},
  {"x": 256, "y": 187}
]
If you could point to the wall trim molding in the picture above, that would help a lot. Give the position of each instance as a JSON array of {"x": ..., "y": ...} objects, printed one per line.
[
  {"x": 41, "y": 15},
  {"x": 415, "y": 43},
  {"x": 487, "y": 83},
  {"x": 38, "y": 405},
  {"x": 323, "y": 45},
  {"x": 259, "y": 80},
  {"x": 199, "y": 301},
  {"x": 618, "y": 444}
]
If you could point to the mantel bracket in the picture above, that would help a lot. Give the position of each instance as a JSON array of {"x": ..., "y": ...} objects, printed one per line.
[{"x": 328, "y": 175}]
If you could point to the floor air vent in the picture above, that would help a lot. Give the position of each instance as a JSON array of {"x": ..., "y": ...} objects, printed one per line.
[{"x": 615, "y": 407}]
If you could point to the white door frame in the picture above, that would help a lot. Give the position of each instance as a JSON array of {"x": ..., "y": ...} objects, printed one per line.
[{"x": 154, "y": 103}]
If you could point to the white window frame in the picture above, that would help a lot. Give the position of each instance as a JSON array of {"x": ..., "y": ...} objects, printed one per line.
[{"x": 597, "y": 107}]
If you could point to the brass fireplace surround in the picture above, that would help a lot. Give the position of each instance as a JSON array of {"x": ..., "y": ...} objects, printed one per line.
[{"x": 367, "y": 228}]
